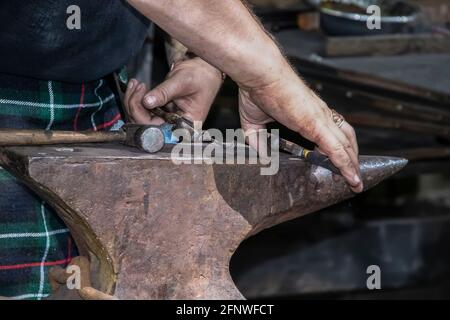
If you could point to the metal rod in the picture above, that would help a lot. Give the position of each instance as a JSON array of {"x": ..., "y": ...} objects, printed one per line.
[
  {"x": 372, "y": 120},
  {"x": 15, "y": 137}
]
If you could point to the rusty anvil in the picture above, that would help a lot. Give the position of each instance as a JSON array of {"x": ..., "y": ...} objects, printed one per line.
[{"x": 156, "y": 230}]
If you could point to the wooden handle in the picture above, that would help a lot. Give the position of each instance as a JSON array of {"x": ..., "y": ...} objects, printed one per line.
[{"x": 14, "y": 137}]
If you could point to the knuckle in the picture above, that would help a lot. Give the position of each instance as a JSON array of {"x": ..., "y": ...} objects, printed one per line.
[
  {"x": 324, "y": 108},
  {"x": 348, "y": 162},
  {"x": 338, "y": 149},
  {"x": 317, "y": 134},
  {"x": 164, "y": 94},
  {"x": 190, "y": 79},
  {"x": 340, "y": 156},
  {"x": 317, "y": 114},
  {"x": 348, "y": 146},
  {"x": 318, "y": 139}
]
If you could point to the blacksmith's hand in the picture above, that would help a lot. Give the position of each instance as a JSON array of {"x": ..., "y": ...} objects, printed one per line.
[
  {"x": 191, "y": 86},
  {"x": 289, "y": 101}
]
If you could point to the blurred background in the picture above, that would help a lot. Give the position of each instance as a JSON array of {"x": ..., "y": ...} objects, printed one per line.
[{"x": 393, "y": 85}]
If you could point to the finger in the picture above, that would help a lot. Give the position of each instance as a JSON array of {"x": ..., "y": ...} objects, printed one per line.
[
  {"x": 254, "y": 138},
  {"x": 345, "y": 141},
  {"x": 137, "y": 111},
  {"x": 348, "y": 145},
  {"x": 167, "y": 91},
  {"x": 351, "y": 147},
  {"x": 336, "y": 177},
  {"x": 131, "y": 87},
  {"x": 57, "y": 276},
  {"x": 333, "y": 148},
  {"x": 355, "y": 163},
  {"x": 348, "y": 130}
]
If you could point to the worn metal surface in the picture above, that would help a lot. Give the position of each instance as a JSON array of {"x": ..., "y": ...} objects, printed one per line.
[{"x": 155, "y": 230}]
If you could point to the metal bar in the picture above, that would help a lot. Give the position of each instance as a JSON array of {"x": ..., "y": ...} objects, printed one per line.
[
  {"x": 386, "y": 45},
  {"x": 311, "y": 68},
  {"x": 14, "y": 137},
  {"x": 421, "y": 153},
  {"x": 377, "y": 121},
  {"x": 382, "y": 103}
]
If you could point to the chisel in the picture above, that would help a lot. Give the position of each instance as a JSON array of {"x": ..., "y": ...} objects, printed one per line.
[{"x": 312, "y": 157}]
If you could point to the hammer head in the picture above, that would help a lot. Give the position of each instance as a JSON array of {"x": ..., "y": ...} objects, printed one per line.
[{"x": 147, "y": 138}]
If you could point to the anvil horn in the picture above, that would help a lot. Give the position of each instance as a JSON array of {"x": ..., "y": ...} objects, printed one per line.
[
  {"x": 155, "y": 230},
  {"x": 305, "y": 189}
]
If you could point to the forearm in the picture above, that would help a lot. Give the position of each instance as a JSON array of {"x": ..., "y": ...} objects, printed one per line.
[{"x": 224, "y": 33}]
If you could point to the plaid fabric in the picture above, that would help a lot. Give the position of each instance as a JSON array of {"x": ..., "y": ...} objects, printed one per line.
[{"x": 32, "y": 237}]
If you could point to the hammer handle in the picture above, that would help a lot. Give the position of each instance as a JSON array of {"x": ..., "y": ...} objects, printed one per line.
[{"x": 18, "y": 137}]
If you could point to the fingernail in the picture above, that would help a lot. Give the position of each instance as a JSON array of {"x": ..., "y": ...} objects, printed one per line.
[
  {"x": 141, "y": 86},
  {"x": 357, "y": 179},
  {"x": 131, "y": 84},
  {"x": 150, "y": 101}
]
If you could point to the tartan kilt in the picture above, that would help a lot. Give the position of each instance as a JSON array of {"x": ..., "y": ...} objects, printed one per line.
[{"x": 32, "y": 237}]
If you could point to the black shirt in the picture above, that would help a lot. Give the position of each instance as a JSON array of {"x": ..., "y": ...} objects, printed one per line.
[{"x": 36, "y": 42}]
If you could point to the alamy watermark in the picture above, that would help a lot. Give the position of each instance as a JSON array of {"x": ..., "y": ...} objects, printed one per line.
[
  {"x": 374, "y": 280},
  {"x": 74, "y": 280},
  {"x": 374, "y": 20},
  {"x": 73, "y": 21},
  {"x": 213, "y": 147}
]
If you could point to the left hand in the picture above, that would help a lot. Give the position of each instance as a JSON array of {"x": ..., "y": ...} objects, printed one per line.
[
  {"x": 310, "y": 116},
  {"x": 191, "y": 85}
]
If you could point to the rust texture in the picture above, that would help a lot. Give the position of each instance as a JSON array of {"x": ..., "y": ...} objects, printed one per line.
[{"x": 155, "y": 230}]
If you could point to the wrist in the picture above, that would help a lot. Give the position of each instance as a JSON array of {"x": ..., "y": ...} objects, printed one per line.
[
  {"x": 261, "y": 68},
  {"x": 213, "y": 70}
]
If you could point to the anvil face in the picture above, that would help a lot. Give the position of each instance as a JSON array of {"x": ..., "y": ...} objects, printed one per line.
[{"x": 156, "y": 230}]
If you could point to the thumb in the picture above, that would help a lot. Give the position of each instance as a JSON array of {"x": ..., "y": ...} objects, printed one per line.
[{"x": 164, "y": 93}]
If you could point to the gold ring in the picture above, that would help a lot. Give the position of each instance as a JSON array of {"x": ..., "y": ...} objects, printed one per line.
[{"x": 337, "y": 118}]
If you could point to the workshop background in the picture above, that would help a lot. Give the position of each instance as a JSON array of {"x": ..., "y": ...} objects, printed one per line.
[{"x": 393, "y": 86}]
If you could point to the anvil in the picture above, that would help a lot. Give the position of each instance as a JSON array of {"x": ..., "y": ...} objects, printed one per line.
[{"x": 156, "y": 230}]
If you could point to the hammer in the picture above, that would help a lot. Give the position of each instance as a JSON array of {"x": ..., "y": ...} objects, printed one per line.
[{"x": 147, "y": 138}]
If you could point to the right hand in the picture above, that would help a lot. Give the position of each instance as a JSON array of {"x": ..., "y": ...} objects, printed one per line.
[
  {"x": 289, "y": 101},
  {"x": 191, "y": 86}
]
